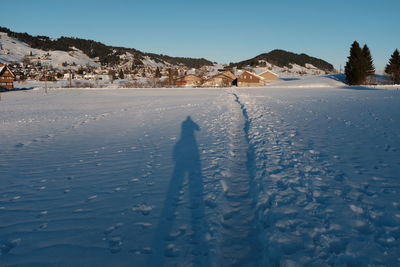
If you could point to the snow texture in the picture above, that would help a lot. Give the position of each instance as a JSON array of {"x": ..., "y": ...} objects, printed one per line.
[{"x": 285, "y": 175}]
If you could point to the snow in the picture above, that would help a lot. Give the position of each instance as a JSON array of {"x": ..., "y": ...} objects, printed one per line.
[
  {"x": 293, "y": 71},
  {"x": 147, "y": 61},
  {"x": 283, "y": 175},
  {"x": 14, "y": 51}
]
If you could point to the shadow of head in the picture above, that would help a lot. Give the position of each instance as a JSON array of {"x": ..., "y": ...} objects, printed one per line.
[
  {"x": 186, "y": 152},
  {"x": 189, "y": 127}
]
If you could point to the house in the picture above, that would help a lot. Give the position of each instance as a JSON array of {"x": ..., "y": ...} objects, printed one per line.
[
  {"x": 249, "y": 79},
  {"x": 7, "y": 77},
  {"x": 269, "y": 76},
  {"x": 220, "y": 80},
  {"x": 229, "y": 74},
  {"x": 189, "y": 80}
]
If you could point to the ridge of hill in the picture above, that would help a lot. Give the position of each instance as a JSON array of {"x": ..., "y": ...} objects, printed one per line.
[
  {"x": 282, "y": 58},
  {"x": 99, "y": 52}
]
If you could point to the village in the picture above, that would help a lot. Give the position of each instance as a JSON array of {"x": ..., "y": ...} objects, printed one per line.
[{"x": 135, "y": 76}]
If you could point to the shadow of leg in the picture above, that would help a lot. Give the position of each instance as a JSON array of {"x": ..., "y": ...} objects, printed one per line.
[
  {"x": 200, "y": 248},
  {"x": 167, "y": 219}
]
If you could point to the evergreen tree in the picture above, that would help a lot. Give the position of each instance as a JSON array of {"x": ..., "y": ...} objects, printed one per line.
[
  {"x": 121, "y": 74},
  {"x": 158, "y": 73},
  {"x": 369, "y": 63},
  {"x": 111, "y": 74},
  {"x": 393, "y": 67},
  {"x": 354, "y": 69}
]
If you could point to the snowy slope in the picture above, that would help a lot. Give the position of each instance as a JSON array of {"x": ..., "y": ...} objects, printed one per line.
[
  {"x": 13, "y": 50},
  {"x": 323, "y": 81},
  {"x": 274, "y": 176},
  {"x": 290, "y": 72}
]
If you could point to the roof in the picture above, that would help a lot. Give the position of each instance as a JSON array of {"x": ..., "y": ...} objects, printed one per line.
[
  {"x": 269, "y": 72},
  {"x": 183, "y": 77},
  {"x": 255, "y": 75},
  {"x": 4, "y": 67},
  {"x": 229, "y": 74},
  {"x": 220, "y": 74}
]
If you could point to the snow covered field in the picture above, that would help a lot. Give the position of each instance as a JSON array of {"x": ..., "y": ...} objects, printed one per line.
[{"x": 305, "y": 174}]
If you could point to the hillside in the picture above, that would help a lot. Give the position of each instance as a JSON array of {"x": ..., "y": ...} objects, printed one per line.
[
  {"x": 71, "y": 53},
  {"x": 96, "y": 51},
  {"x": 282, "y": 59}
]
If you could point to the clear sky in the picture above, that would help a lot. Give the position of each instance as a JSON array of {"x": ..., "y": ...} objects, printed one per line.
[{"x": 220, "y": 30}]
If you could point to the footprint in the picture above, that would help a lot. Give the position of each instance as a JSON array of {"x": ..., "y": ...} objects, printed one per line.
[
  {"x": 110, "y": 229},
  {"x": 143, "y": 209},
  {"x": 7, "y": 246},
  {"x": 114, "y": 244}
]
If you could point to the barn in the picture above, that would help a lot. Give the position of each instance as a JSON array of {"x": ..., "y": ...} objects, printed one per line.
[
  {"x": 219, "y": 80},
  {"x": 248, "y": 79},
  {"x": 7, "y": 77},
  {"x": 269, "y": 76}
]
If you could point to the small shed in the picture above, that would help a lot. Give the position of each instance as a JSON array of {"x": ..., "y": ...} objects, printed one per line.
[{"x": 7, "y": 77}]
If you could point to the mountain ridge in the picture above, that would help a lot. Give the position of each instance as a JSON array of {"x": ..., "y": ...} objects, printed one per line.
[
  {"x": 106, "y": 54},
  {"x": 283, "y": 58},
  {"x": 115, "y": 55}
]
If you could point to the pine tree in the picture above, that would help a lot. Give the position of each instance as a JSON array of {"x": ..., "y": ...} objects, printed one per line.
[
  {"x": 121, "y": 74},
  {"x": 369, "y": 63},
  {"x": 354, "y": 69},
  {"x": 111, "y": 74},
  {"x": 393, "y": 67},
  {"x": 158, "y": 73}
]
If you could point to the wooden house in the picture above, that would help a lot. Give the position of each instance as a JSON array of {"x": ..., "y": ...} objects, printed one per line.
[
  {"x": 269, "y": 76},
  {"x": 189, "y": 80},
  {"x": 249, "y": 79},
  {"x": 7, "y": 77},
  {"x": 229, "y": 74},
  {"x": 219, "y": 80}
]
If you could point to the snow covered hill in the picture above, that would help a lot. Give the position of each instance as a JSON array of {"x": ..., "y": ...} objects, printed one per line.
[
  {"x": 274, "y": 176},
  {"x": 91, "y": 53},
  {"x": 18, "y": 47},
  {"x": 12, "y": 50},
  {"x": 287, "y": 64}
]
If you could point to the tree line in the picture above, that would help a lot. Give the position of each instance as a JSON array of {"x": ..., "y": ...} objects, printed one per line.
[
  {"x": 107, "y": 55},
  {"x": 360, "y": 66}
]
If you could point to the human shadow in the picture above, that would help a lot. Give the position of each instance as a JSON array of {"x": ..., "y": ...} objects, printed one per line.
[{"x": 187, "y": 162}]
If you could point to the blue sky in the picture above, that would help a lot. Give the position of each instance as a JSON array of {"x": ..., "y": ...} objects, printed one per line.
[{"x": 222, "y": 31}]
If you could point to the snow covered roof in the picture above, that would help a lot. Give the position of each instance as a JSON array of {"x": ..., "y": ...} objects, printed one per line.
[
  {"x": 268, "y": 71},
  {"x": 251, "y": 73},
  {"x": 219, "y": 74},
  {"x": 4, "y": 67}
]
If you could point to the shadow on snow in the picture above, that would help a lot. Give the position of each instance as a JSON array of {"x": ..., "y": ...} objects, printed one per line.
[{"x": 187, "y": 162}]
